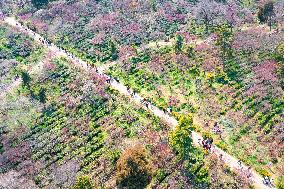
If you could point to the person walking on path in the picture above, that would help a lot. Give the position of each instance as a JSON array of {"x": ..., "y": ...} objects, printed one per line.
[
  {"x": 108, "y": 80},
  {"x": 267, "y": 181},
  {"x": 249, "y": 173},
  {"x": 199, "y": 142},
  {"x": 206, "y": 143},
  {"x": 221, "y": 157},
  {"x": 240, "y": 164}
]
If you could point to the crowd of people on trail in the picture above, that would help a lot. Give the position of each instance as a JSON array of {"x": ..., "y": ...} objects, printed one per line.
[{"x": 207, "y": 143}]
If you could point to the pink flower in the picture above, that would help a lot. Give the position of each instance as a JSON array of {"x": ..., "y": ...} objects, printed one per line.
[
  {"x": 201, "y": 47},
  {"x": 132, "y": 28},
  {"x": 105, "y": 21},
  {"x": 99, "y": 38},
  {"x": 125, "y": 52},
  {"x": 49, "y": 66},
  {"x": 258, "y": 90},
  {"x": 266, "y": 71},
  {"x": 25, "y": 17},
  {"x": 39, "y": 24}
]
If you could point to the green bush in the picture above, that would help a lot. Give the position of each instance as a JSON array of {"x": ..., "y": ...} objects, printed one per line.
[
  {"x": 280, "y": 182},
  {"x": 279, "y": 53},
  {"x": 1, "y": 148},
  {"x": 83, "y": 182},
  {"x": 160, "y": 175},
  {"x": 263, "y": 172},
  {"x": 26, "y": 78},
  {"x": 39, "y": 3},
  {"x": 179, "y": 44},
  {"x": 180, "y": 138},
  {"x": 222, "y": 145},
  {"x": 113, "y": 155}
]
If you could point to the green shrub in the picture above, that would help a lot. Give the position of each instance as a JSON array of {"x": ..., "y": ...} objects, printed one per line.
[
  {"x": 1, "y": 148},
  {"x": 197, "y": 170},
  {"x": 26, "y": 78},
  {"x": 180, "y": 138},
  {"x": 113, "y": 155},
  {"x": 206, "y": 135},
  {"x": 39, "y": 3},
  {"x": 222, "y": 145},
  {"x": 280, "y": 52},
  {"x": 263, "y": 172},
  {"x": 179, "y": 44},
  {"x": 83, "y": 182},
  {"x": 185, "y": 120},
  {"x": 222, "y": 78},
  {"x": 234, "y": 138},
  {"x": 160, "y": 175},
  {"x": 280, "y": 182},
  {"x": 244, "y": 129}
]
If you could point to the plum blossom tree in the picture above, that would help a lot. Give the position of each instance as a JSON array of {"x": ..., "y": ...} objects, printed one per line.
[
  {"x": 208, "y": 12},
  {"x": 232, "y": 11},
  {"x": 279, "y": 12},
  {"x": 266, "y": 71}
]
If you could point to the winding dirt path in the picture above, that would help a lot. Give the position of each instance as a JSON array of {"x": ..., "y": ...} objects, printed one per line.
[{"x": 231, "y": 161}]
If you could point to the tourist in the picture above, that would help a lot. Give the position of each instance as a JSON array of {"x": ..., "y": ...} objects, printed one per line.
[
  {"x": 216, "y": 130},
  {"x": 249, "y": 173},
  {"x": 210, "y": 141},
  {"x": 266, "y": 180},
  {"x": 199, "y": 142},
  {"x": 221, "y": 157},
  {"x": 206, "y": 124},
  {"x": 205, "y": 143},
  {"x": 240, "y": 164},
  {"x": 169, "y": 110},
  {"x": 108, "y": 80},
  {"x": 144, "y": 101}
]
